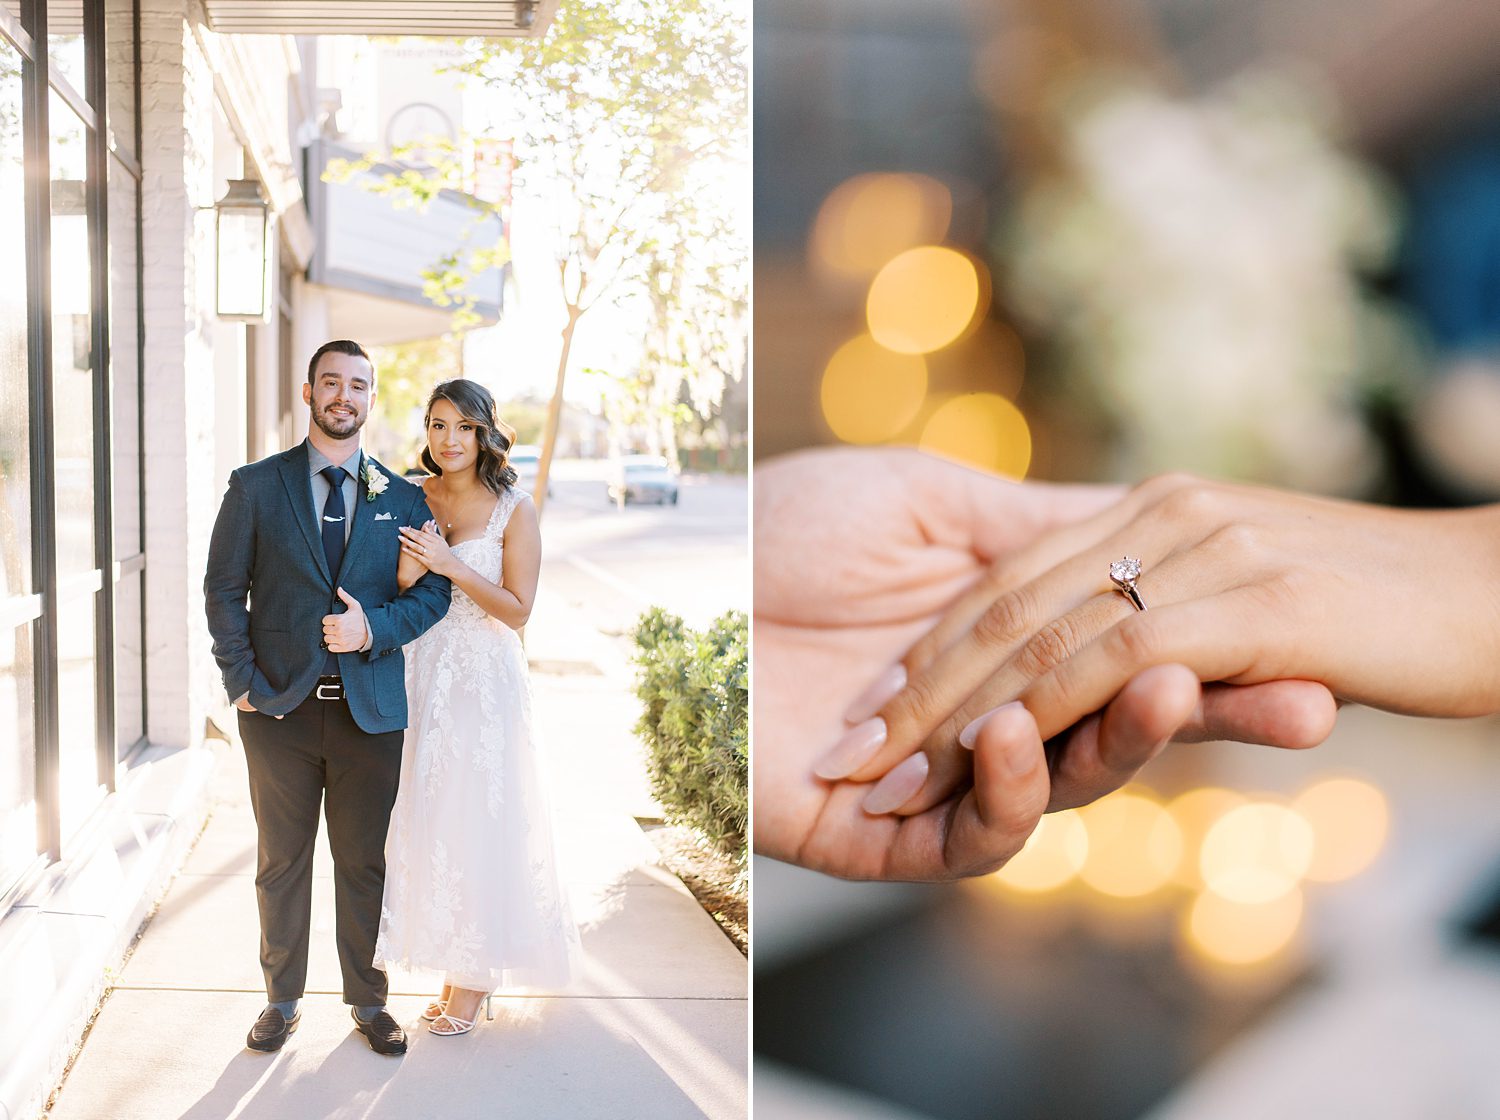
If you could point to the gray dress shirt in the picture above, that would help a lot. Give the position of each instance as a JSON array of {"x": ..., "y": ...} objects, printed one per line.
[{"x": 317, "y": 463}]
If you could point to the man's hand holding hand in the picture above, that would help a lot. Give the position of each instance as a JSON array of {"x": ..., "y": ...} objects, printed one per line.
[
  {"x": 347, "y": 632},
  {"x": 858, "y": 555}
]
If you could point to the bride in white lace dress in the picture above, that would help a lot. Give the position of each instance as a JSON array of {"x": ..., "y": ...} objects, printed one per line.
[{"x": 471, "y": 886}]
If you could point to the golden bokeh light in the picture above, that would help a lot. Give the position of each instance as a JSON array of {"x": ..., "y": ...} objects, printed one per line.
[
  {"x": 1195, "y": 812},
  {"x": 1241, "y": 933},
  {"x": 981, "y": 429},
  {"x": 1350, "y": 819},
  {"x": 1256, "y": 853},
  {"x": 1052, "y": 856},
  {"x": 869, "y": 393},
  {"x": 867, "y": 220},
  {"x": 1133, "y": 845},
  {"x": 925, "y": 299}
]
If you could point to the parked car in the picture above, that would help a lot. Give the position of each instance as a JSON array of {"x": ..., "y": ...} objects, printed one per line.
[
  {"x": 642, "y": 478},
  {"x": 526, "y": 458}
]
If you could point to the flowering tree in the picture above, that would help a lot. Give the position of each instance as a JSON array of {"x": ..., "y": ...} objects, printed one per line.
[
  {"x": 616, "y": 110},
  {"x": 619, "y": 108},
  {"x": 698, "y": 301}
]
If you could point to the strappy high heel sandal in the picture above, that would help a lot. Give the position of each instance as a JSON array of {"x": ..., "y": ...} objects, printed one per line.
[
  {"x": 434, "y": 1009},
  {"x": 457, "y": 1026}
]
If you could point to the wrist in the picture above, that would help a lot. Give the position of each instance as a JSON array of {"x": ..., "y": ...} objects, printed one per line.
[
  {"x": 1464, "y": 547},
  {"x": 1485, "y": 558}
]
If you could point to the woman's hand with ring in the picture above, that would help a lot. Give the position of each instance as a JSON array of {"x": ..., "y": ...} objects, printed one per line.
[
  {"x": 1246, "y": 586},
  {"x": 427, "y": 547},
  {"x": 862, "y": 572}
]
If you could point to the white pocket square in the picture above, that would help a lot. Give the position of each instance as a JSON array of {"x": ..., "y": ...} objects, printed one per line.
[{"x": 383, "y": 517}]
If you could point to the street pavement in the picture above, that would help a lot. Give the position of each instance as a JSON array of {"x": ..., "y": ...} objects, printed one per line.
[
  {"x": 657, "y": 1026},
  {"x": 691, "y": 558}
]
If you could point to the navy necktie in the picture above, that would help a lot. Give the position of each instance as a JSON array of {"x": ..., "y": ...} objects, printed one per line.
[{"x": 333, "y": 542}]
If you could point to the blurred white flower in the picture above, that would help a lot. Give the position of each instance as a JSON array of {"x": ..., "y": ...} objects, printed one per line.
[{"x": 1200, "y": 261}]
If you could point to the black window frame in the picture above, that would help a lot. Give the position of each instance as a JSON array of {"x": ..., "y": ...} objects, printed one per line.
[{"x": 28, "y": 36}]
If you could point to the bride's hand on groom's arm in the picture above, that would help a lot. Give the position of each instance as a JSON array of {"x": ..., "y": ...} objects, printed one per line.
[
  {"x": 1243, "y": 585},
  {"x": 509, "y": 599},
  {"x": 427, "y": 548},
  {"x": 409, "y": 566}
]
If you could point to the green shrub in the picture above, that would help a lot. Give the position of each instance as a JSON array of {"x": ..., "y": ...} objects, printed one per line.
[{"x": 695, "y": 687}]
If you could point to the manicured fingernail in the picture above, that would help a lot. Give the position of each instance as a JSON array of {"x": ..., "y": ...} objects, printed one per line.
[
  {"x": 856, "y": 748},
  {"x": 1021, "y": 755},
  {"x": 968, "y": 736},
  {"x": 872, "y": 699},
  {"x": 899, "y": 786}
]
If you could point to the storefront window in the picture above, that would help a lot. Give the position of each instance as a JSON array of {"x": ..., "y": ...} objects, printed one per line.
[
  {"x": 17, "y": 753},
  {"x": 130, "y": 713},
  {"x": 77, "y": 720},
  {"x": 125, "y": 373},
  {"x": 72, "y": 345},
  {"x": 61, "y": 684},
  {"x": 73, "y": 466},
  {"x": 17, "y": 686},
  {"x": 15, "y": 443},
  {"x": 65, "y": 41},
  {"x": 124, "y": 357}
]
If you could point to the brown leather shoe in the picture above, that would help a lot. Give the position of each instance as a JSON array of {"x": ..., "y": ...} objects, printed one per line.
[
  {"x": 271, "y": 1030},
  {"x": 383, "y": 1033}
]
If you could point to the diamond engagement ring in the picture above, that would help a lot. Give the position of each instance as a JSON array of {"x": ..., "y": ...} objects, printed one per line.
[{"x": 1123, "y": 573}]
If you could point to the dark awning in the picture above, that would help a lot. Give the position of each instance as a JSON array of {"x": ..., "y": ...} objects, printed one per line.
[{"x": 491, "y": 18}]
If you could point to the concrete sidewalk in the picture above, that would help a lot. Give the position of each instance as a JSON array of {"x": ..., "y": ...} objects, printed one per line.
[{"x": 657, "y": 1027}]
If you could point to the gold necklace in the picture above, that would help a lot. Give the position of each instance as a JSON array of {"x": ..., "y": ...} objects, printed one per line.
[{"x": 448, "y": 524}]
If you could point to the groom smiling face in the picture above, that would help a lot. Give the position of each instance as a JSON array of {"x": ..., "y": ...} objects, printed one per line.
[{"x": 339, "y": 394}]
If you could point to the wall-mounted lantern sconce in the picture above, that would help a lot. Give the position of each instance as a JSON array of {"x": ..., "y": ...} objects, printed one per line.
[
  {"x": 243, "y": 229},
  {"x": 525, "y": 14}
]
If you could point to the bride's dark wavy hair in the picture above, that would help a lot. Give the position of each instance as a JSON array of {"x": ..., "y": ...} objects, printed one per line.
[{"x": 494, "y": 436}]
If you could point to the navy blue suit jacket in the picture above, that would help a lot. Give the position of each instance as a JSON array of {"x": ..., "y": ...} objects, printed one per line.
[{"x": 268, "y": 587}]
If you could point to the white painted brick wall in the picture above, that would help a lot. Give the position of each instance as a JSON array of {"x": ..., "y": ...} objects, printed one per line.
[{"x": 182, "y": 496}]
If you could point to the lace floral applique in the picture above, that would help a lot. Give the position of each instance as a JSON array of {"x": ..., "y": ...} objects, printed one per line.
[{"x": 472, "y": 887}]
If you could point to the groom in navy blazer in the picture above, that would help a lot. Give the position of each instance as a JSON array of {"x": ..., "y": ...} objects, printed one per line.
[{"x": 308, "y": 623}]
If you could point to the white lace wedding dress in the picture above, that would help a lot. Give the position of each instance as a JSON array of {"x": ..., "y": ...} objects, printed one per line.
[{"x": 471, "y": 886}]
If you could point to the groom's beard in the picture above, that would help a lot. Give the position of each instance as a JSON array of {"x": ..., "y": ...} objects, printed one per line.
[{"x": 338, "y": 427}]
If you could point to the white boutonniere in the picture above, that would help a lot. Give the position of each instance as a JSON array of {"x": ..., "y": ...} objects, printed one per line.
[{"x": 375, "y": 483}]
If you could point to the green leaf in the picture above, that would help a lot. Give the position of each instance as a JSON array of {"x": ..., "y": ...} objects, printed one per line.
[{"x": 695, "y": 724}]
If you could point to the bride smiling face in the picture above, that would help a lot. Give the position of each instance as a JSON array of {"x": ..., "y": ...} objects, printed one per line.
[
  {"x": 465, "y": 434},
  {"x": 452, "y": 439}
]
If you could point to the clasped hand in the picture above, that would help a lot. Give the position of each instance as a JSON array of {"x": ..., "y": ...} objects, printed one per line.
[
  {"x": 867, "y": 557},
  {"x": 1244, "y": 585}
]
